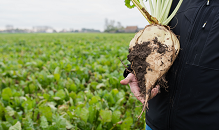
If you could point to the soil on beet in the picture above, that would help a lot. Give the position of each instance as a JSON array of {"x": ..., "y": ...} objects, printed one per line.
[{"x": 137, "y": 57}]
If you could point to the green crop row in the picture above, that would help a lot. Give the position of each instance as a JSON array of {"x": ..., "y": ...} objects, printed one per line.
[{"x": 66, "y": 81}]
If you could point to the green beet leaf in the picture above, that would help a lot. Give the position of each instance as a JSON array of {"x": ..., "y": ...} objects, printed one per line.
[
  {"x": 92, "y": 114},
  {"x": 116, "y": 116},
  {"x": 43, "y": 122},
  {"x": 114, "y": 92},
  {"x": 57, "y": 70},
  {"x": 6, "y": 94},
  {"x": 10, "y": 111},
  {"x": 72, "y": 95},
  {"x": 57, "y": 77},
  {"x": 46, "y": 96},
  {"x": 17, "y": 126},
  {"x": 5, "y": 125},
  {"x": 32, "y": 88},
  {"x": 68, "y": 125},
  {"x": 68, "y": 67},
  {"x": 73, "y": 87},
  {"x": 99, "y": 127},
  {"x": 60, "y": 94},
  {"x": 94, "y": 100},
  {"x": 46, "y": 111},
  {"x": 2, "y": 110},
  {"x": 105, "y": 116},
  {"x": 127, "y": 123},
  {"x": 84, "y": 114},
  {"x": 59, "y": 122},
  {"x": 27, "y": 123}
]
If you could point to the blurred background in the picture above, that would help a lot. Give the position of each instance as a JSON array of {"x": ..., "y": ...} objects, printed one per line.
[
  {"x": 60, "y": 66},
  {"x": 67, "y": 16}
]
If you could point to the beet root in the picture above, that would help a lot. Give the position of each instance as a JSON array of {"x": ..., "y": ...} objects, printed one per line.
[{"x": 151, "y": 53}]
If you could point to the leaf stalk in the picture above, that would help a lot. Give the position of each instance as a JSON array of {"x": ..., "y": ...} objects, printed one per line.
[
  {"x": 159, "y": 9},
  {"x": 150, "y": 19}
]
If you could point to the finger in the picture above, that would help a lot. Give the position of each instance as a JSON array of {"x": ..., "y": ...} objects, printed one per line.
[
  {"x": 128, "y": 79},
  {"x": 136, "y": 91},
  {"x": 155, "y": 91},
  {"x": 141, "y": 99},
  {"x": 132, "y": 81}
]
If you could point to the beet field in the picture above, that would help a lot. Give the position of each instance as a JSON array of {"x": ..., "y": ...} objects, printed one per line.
[{"x": 66, "y": 82}]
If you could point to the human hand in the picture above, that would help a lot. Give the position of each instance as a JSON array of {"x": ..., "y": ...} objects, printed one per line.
[{"x": 133, "y": 83}]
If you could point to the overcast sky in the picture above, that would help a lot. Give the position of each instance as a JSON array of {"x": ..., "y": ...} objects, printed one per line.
[{"x": 66, "y": 14}]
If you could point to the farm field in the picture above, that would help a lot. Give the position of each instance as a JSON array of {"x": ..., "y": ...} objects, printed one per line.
[{"x": 66, "y": 81}]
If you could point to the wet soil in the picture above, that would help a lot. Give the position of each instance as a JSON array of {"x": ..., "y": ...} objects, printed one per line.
[{"x": 137, "y": 57}]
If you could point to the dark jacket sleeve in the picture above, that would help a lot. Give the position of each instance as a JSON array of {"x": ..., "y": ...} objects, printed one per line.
[{"x": 125, "y": 73}]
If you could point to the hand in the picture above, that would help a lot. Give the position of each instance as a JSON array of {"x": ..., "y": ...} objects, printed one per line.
[{"x": 133, "y": 83}]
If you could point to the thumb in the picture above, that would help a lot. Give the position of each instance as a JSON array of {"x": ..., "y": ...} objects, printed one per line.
[{"x": 128, "y": 79}]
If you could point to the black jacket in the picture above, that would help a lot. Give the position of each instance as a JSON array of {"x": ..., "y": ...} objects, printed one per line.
[{"x": 192, "y": 101}]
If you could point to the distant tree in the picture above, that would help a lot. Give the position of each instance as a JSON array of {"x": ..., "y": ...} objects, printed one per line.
[
  {"x": 119, "y": 25},
  {"x": 111, "y": 27}
]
